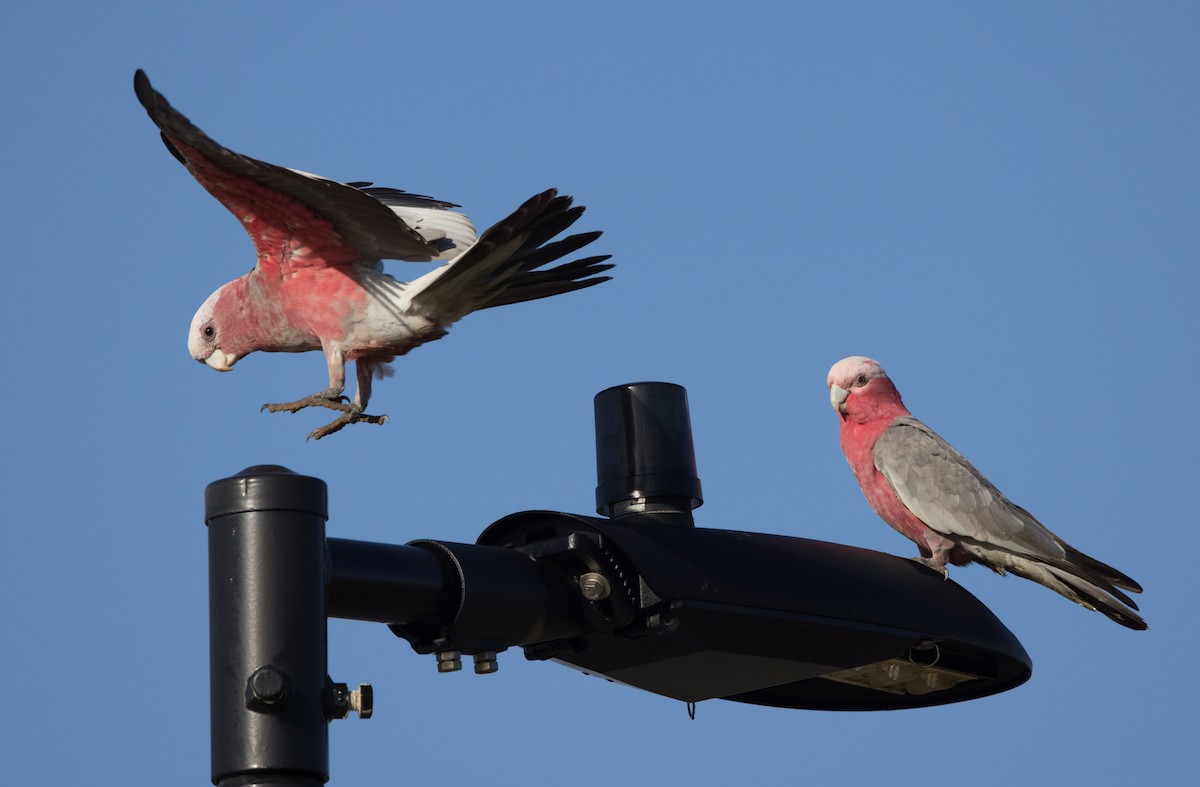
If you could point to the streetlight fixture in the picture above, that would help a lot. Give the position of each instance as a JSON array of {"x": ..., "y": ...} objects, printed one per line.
[{"x": 641, "y": 596}]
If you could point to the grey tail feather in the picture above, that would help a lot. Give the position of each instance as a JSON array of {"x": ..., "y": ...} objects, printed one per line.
[
  {"x": 1089, "y": 569},
  {"x": 568, "y": 277},
  {"x": 1081, "y": 579},
  {"x": 1094, "y": 574},
  {"x": 1107, "y": 572},
  {"x": 519, "y": 277},
  {"x": 1104, "y": 601}
]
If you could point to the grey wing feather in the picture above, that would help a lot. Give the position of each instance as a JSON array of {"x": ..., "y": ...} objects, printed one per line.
[
  {"x": 946, "y": 492},
  {"x": 449, "y": 231}
]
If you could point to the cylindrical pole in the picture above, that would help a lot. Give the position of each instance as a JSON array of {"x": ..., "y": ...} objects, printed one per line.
[
  {"x": 268, "y": 658},
  {"x": 645, "y": 462}
]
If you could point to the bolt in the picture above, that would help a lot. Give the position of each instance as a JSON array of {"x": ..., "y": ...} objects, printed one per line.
[
  {"x": 485, "y": 662},
  {"x": 449, "y": 661},
  {"x": 594, "y": 587},
  {"x": 362, "y": 700},
  {"x": 268, "y": 685}
]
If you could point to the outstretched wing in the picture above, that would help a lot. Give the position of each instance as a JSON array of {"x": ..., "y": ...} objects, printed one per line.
[
  {"x": 946, "y": 492},
  {"x": 296, "y": 218}
]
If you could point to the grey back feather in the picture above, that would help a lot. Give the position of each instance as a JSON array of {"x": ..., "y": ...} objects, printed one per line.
[{"x": 948, "y": 494}]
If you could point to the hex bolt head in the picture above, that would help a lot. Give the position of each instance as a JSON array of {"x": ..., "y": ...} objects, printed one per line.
[
  {"x": 595, "y": 587},
  {"x": 449, "y": 661},
  {"x": 266, "y": 689},
  {"x": 486, "y": 663}
]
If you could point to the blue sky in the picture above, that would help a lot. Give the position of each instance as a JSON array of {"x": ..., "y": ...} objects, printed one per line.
[{"x": 999, "y": 203}]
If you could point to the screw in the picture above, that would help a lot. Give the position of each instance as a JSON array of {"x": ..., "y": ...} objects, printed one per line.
[
  {"x": 594, "y": 587},
  {"x": 449, "y": 661},
  {"x": 485, "y": 662},
  {"x": 362, "y": 700},
  {"x": 339, "y": 700}
]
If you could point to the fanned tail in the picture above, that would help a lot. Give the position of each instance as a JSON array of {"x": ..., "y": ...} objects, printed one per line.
[{"x": 505, "y": 265}]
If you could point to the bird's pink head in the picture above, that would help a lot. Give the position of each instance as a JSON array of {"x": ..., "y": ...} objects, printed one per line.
[
  {"x": 860, "y": 391},
  {"x": 204, "y": 335}
]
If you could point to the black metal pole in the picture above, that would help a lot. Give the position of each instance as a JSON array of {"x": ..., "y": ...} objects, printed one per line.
[{"x": 266, "y": 546}]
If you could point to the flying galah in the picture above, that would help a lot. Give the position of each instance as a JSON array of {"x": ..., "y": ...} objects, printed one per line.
[
  {"x": 319, "y": 282},
  {"x": 930, "y": 493}
]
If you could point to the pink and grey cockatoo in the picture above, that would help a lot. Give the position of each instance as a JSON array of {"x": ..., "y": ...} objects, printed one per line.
[
  {"x": 930, "y": 493},
  {"x": 319, "y": 282}
]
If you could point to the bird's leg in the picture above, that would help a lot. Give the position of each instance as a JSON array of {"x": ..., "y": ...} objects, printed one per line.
[
  {"x": 363, "y": 372},
  {"x": 330, "y": 398},
  {"x": 934, "y": 564},
  {"x": 935, "y": 551},
  {"x": 353, "y": 412}
]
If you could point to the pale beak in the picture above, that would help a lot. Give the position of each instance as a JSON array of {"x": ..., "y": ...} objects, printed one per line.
[
  {"x": 221, "y": 360},
  {"x": 837, "y": 397}
]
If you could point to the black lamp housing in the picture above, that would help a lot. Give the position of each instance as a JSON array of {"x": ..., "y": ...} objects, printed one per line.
[{"x": 698, "y": 614}]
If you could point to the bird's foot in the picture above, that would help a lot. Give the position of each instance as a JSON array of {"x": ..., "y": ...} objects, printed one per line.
[
  {"x": 936, "y": 566},
  {"x": 351, "y": 413},
  {"x": 316, "y": 400},
  {"x": 352, "y": 416}
]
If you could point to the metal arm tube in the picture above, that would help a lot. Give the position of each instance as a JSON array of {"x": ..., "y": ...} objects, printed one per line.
[
  {"x": 477, "y": 597},
  {"x": 386, "y": 583}
]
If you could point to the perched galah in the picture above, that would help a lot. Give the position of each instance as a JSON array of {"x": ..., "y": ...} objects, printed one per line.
[
  {"x": 930, "y": 493},
  {"x": 319, "y": 282}
]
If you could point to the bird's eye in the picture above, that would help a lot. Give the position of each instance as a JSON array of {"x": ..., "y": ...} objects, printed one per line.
[
  {"x": 209, "y": 331},
  {"x": 861, "y": 380}
]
